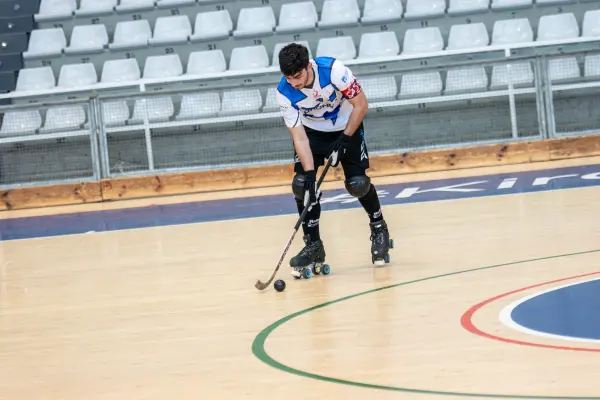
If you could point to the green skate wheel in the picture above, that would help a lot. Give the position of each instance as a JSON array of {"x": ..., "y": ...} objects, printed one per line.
[
  {"x": 391, "y": 243},
  {"x": 326, "y": 269},
  {"x": 307, "y": 273}
]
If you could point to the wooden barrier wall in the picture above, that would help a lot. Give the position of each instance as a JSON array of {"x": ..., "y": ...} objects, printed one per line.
[{"x": 265, "y": 176}]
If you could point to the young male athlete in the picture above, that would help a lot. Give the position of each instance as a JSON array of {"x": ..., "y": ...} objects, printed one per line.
[{"x": 323, "y": 106}]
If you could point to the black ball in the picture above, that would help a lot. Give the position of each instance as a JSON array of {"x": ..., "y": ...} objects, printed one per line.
[{"x": 279, "y": 285}]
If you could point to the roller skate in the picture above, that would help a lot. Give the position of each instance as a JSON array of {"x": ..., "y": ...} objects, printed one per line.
[
  {"x": 310, "y": 260},
  {"x": 381, "y": 243}
]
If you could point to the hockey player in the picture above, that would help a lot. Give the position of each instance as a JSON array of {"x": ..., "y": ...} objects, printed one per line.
[{"x": 323, "y": 106}]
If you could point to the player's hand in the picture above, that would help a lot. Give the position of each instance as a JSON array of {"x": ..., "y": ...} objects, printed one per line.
[
  {"x": 311, "y": 197},
  {"x": 338, "y": 149}
]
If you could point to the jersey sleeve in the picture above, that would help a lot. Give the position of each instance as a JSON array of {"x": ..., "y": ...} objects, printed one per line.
[
  {"x": 291, "y": 115},
  {"x": 344, "y": 80}
]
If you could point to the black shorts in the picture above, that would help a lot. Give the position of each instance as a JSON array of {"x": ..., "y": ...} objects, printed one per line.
[{"x": 356, "y": 160}]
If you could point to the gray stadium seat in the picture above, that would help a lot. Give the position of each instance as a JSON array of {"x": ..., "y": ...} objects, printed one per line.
[
  {"x": 381, "y": 11},
  {"x": 21, "y": 123},
  {"x": 298, "y": 16},
  {"x": 8, "y": 81},
  {"x": 339, "y": 13},
  {"x": 16, "y": 8},
  {"x": 13, "y": 43},
  {"x": 341, "y": 47},
  {"x": 248, "y": 58},
  {"x": 10, "y": 62},
  {"x": 48, "y": 42},
  {"x": 425, "y": 8},
  {"x": 379, "y": 88},
  {"x": 212, "y": 25},
  {"x": 378, "y": 44}
]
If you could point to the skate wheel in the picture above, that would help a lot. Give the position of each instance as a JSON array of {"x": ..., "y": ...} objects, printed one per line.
[
  {"x": 326, "y": 269},
  {"x": 391, "y": 243},
  {"x": 387, "y": 258},
  {"x": 316, "y": 269},
  {"x": 307, "y": 273}
]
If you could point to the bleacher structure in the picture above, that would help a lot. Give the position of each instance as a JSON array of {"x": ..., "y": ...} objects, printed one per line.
[{"x": 98, "y": 89}]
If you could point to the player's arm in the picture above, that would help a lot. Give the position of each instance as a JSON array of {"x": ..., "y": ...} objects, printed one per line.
[
  {"x": 347, "y": 83},
  {"x": 361, "y": 106}
]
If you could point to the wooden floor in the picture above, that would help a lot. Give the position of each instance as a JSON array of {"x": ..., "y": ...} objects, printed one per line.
[{"x": 172, "y": 312}]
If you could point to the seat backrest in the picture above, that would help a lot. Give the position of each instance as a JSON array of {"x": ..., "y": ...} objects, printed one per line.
[
  {"x": 468, "y": 5},
  {"x": 88, "y": 37},
  {"x": 136, "y": 3},
  {"x": 77, "y": 75},
  {"x": 249, "y": 57},
  {"x": 302, "y": 14},
  {"x": 213, "y": 24},
  {"x": 465, "y": 36},
  {"x": 97, "y": 5},
  {"x": 41, "y": 78},
  {"x": 341, "y": 47},
  {"x": 388, "y": 9},
  {"x": 340, "y": 11},
  {"x": 591, "y": 23},
  {"x": 510, "y": 3},
  {"x": 558, "y": 26},
  {"x": 206, "y": 62},
  {"x": 378, "y": 44},
  {"x": 132, "y": 32},
  {"x": 44, "y": 41},
  {"x": 57, "y": 7},
  {"x": 425, "y": 7},
  {"x": 511, "y": 31},
  {"x": 256, "y": 19},
  {"x": 422, "y": 40},
  {"x": 176, "y": 27},
  {"x": 124, "y": 70},
  {"x": 280, "y": 46},
  {"x": 164, "y": 66}
]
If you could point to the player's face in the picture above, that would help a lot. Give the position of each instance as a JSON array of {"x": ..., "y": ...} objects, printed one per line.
[{"x": 300, "y": 79}]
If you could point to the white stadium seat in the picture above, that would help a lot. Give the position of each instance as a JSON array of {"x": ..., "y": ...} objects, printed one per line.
[
  {"x": 201, "y": 105},
  {"x": 341, "y": 47},
  {"x": 255, "y": 21},
  {"x": 126, "y": 6},
  {"x": 378, "y": 44},
  {"x": 64, "y": 118},
  {"x": 423, "y": 40},
  {"x": 507, "y": 4},
  {"x": 271, "y": 100},
  {"x": 425, "y": 8},
  {"x": 120, "y": 71},
  {"x": 382, "y": 11},
  {"x": 19, "y": 123},
  {"x": 56, "y": 9},
  {"x": 237, "y": 102},
  {"x": 164, "y": 66},
  {"x": 172, "y": 29},
  {"x": 468, "y": 6},
  {"x": 339, "y": 13},
  {"x": 421, "y": 83},
  {"x": 95, "y": 7},
  {"x": 467, "y": 36},
  {"x": 131, "y": 34},
  {"x": 591, "y": 23},
  {"x": 206, "y": 62},
  {"x": 512, "y": 31},
  {"x": 46, "y": 42},
  {"x": 297, "y": 16},
  {"x": 466, "y": 79},
  {"x": 559, "y": 27},
  {"x": 87, "y": 39},
  {"x": 77, "y": 75},
  {"x": 212, "y": 25},
  {"x": 379, "y": 88},
  {"x": 31, "y": 79},
  {"x": 249, "y": 57}
]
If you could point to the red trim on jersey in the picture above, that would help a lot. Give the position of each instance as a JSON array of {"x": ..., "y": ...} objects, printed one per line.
[{"x": 352, "y": 90}]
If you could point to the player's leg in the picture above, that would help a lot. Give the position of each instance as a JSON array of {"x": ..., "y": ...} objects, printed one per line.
[
  {"x": 314, "y": 250},
  {"x": 358, "y": 184}
]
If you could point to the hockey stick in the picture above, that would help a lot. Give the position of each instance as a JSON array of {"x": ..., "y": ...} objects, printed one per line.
[{"x": 263, "y": 285}]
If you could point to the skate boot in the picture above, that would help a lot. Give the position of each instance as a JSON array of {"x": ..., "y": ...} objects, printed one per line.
[
  {"x": 381, "y": 243},
  {"x": 310, "y": 260}
]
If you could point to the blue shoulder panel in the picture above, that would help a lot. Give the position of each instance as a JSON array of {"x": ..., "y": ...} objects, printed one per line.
[
  {"x": 293, "y": 94},
  {"x": 324, "y": 67}
]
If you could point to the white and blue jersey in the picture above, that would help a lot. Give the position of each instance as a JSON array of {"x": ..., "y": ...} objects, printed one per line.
[{"x": 324, "y": 106}]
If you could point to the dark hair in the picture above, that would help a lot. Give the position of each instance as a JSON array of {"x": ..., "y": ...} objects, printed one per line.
[{"x": 293, "y": 58}]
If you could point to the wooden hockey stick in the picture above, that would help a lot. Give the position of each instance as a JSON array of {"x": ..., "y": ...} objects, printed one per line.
[{"x": 263, "y": 285}]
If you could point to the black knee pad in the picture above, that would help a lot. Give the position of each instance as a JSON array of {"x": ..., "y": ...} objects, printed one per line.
[
  {"x": 358, "y": 186},
  {"x": 298, "y": 186}
]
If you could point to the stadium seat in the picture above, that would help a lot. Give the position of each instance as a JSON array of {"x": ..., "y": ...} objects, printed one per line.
[
  {"x": 591, "y": 66},
  {"x": 120, "y": 71},
  {"x": 173, "y": 3},
  {"x": 157, "y": 109},
  {"x": 271, "y": 100},
  {"x": 20, "y": 123},
  {"x": 237, "y": 102},
  {"x": 341, "y": 47},
  {"x": 421, "y": 84},
  {"x": 201, "y": 105},
  {"x": 46, "y": 43},
  {"x": 95, "y": 7},
  {"x": 382, "y": 10},
  {"x": 425, "y": 8},
  {"x": 298, "y": 16},
  {"x": 339, "y": 13},
  {"x": 423, "y": 40},
  {"x": 31, "y": 79},
  {"x": 128, "y": 6},
  {"x": 206, "y": 62},
  {"x": 508, "y": 4},
  {"x": 379, "y": 88},
  {"x": 466, "y": 79},
  {"x": 467, "y": 36},
  {"x": 87, "y": 39},
  {"x": 131, "y": 34},
  {"x": 249, "y": 57},
  {"x": 255, "y": 21},
  {"x": 552, "y": 2},
  {"x": 468, "y": 6},
  {"x": 55, "y": 9},
  {"x": 212, "y": 25},
  {"x": 512, "y": 31},
  {"x": 77, "y": 75},
  {"x": 558, "y": 27},
  {"x": 378, "y": 44},
  {"x": 172, "y": 29},
  {"x": 591, "y": 23},
  {"x": 115, "y": 113},
  {"x": 63, "y": 118},
  {"x": 280, "y": 46}
]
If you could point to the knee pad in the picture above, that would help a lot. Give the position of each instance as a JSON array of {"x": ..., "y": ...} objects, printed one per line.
[
  {"x": 298, "y": 186},
  {"x": 358, "y": 186}
]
